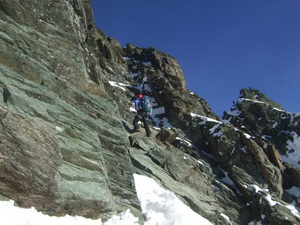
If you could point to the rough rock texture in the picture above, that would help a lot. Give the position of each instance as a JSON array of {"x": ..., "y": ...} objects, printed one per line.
[
  {"x": 54, "y": 118},
  {"x": 271, "y": 173},
  {"x": 65, "y": 127},
  {"x": 162, "y": 73},
  {"x": 30, "y": 158}
]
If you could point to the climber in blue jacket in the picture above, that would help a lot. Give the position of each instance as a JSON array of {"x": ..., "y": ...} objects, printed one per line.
[{"x": 143, "y": 106}]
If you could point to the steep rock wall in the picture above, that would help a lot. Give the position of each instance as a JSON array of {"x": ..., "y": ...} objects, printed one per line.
[
  {"x": 62, "y": 150},
  {"x": 66, "y": 144}
]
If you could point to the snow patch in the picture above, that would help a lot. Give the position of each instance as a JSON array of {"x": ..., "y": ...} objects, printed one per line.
[
  {"x": 280, "y": 110},
  {"x": 131, "y": 109},
  {"x": 272, "y": 203},
  {"x": 185, "y": 141},
  {"x": 226, "y": 217},
  {"x": 124, "y": 218},
  {"x": 162, "y": 207},
  {"x": 156, "y": 113},
  {"x": 293, "y": 121},
  {"x": 247, "y": 135},
  {"x": 149, "y": 63},
  {"x": 213, "y": 130},
  {"x": 240, "y": 100},
  {"x": 59, "y": 129},
  {"x": 205, "y": 119},
  {"x": 291, "y": 207},
  {"x": 275, "y": 124},
  {"x": 295, "y": 191},
  {"x": 258, "y": 189},
  {"x": 255, "y": 223},
  {"x": 227, "y": 180},
  {"x": 159, "y": 110},
  {"x": 119, "y": 85},
  {"x": 234, "y": 112},
  {"x": 201, "y": 163},
  {"x": 11, "y": 214},
  {"x": 293, "y": 156},
  {"x": 133, "y": 74},
  {"x": 164, "y": 122}
]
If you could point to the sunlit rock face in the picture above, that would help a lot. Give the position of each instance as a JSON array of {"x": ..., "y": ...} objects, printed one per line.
[{"x": 66, "y": 141}]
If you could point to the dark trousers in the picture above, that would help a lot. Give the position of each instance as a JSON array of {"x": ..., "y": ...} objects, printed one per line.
[{"x": 142, "y": 116}]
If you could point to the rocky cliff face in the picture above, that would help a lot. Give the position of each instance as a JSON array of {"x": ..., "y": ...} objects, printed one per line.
[{"x": 65, "y": 126}]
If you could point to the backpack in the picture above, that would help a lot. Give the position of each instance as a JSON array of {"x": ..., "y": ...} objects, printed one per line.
[{"x": 145, "y": 104}]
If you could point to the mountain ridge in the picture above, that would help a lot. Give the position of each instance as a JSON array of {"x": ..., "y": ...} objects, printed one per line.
[{"x": 66, "y": 127}]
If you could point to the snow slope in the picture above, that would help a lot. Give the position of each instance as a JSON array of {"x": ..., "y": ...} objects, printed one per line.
[{"x": 161, "y": 207}]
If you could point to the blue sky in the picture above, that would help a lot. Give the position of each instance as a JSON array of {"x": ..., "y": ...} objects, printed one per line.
[{"x": 221, "y": 45}]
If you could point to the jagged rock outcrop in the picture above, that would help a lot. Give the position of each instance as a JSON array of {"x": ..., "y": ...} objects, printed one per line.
[
  {"x": 65, "y": 127},
  {"x": 160, "y": 76},
  {"x": 271, "y": 173},
  {"x": 51, "y": 109},
  {"x": 259, "y": 116},
  {"x": 162, "y": 73}
]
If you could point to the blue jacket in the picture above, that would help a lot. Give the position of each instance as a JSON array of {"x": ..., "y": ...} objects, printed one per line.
[{"x": 137, "y": 104}]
